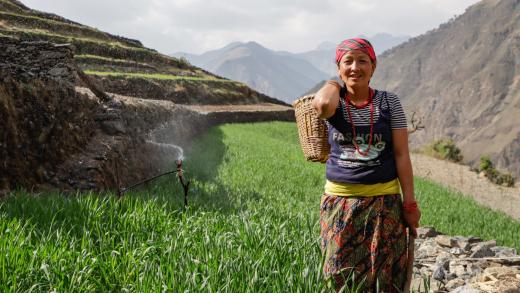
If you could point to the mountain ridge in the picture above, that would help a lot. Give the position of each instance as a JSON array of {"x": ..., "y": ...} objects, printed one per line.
[
  {"x": 463, "y": 79},
  {"x": 277, "y": 74},
  {"x": 282, "y": 74}
]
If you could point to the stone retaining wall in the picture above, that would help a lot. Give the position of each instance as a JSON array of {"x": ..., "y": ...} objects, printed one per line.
[{"x": 464, "y": 264}]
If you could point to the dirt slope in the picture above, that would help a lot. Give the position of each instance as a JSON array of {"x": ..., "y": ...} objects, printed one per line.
[{"x": 462, "y": 179}]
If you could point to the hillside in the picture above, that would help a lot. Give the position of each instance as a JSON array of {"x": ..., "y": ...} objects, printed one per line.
[
  {"x": 463, "y": 79},
  {"x": 82, "y": 109},
  {"x": 125, "y": 66}
]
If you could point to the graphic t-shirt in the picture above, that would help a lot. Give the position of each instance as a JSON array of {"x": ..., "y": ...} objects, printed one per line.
[{"x": 345, "y": 163}]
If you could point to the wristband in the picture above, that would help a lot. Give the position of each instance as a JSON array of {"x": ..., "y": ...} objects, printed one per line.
[{"x": 410, "y": 207}]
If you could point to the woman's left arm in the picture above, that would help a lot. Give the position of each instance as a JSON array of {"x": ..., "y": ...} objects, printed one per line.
[
  {"x": 403, "y": 163},
  {"x": 411, "y": 212}
]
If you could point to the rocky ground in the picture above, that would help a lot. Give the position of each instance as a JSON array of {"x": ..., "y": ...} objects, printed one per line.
[{"x": 464, "y": 264}]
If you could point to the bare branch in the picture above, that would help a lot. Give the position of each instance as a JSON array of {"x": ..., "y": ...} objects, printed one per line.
[{"x": 417, "y": 123}]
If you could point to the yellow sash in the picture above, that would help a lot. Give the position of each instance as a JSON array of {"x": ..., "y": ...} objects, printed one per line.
[{"x": 356, "y": 189}]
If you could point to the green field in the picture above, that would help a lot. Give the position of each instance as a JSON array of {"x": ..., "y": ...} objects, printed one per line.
[
  {"x": 159, "y": 76},
  {"x": 252, "y": 224}
]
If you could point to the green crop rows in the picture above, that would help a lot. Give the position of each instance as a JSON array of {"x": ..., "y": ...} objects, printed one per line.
[
  {"x": 251, "y": 225},
  {"x": 158, "y": 76}
]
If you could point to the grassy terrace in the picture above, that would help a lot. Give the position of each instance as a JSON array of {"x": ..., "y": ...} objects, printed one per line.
[
  {"x": 87, "y": 57},
  {"x": 45, "y": 34},
  {"x": 101, "y": 63},
  {"x": 66, "y": 29},
  {"x": 252, "y": 224},
  {"x": 87, "y": 46},
  {"x": 8, "y": 6},
  {"x": 160, "y": 76}
]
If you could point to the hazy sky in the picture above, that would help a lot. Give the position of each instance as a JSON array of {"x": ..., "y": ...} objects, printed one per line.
[{"x": 196, "y": 26}]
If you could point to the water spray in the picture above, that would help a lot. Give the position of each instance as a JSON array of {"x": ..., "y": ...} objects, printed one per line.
[{"x": 157, "y": 138}]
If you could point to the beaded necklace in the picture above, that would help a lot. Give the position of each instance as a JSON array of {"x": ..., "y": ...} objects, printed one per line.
[{"x": 370, "y": 100}]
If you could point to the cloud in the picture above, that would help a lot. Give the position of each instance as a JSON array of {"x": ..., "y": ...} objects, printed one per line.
[{"x": 196, "y": 26}]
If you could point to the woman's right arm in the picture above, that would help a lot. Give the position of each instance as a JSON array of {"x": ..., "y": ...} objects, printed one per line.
[{"x": 326, "y": 99}]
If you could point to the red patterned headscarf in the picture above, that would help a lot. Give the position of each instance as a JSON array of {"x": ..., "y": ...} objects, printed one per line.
[{"x": 355, "y": 44}]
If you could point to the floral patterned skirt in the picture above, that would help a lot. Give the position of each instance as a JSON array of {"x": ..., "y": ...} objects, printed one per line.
[{"x": 364, "y": 242}]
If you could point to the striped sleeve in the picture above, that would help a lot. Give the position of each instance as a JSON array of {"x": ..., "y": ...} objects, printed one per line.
[{"x": 396, "y": 109}]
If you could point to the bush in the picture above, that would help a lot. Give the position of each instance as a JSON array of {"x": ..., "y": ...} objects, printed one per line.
[
  {"x": 493, "y": 174},
  {"x": 184, "y": 63},
  {"x": 485, "y": 163},
  {"x": 445, "y": 149}
]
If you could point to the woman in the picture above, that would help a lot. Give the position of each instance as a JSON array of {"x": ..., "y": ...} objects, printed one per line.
[{"x": 363, "y": 216}]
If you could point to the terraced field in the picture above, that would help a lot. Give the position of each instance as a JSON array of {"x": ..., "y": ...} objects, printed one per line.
[{"x": 124, "y": 66}]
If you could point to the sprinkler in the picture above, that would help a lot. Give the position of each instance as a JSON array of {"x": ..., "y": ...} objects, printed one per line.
[{"x": 185, "y": 184}]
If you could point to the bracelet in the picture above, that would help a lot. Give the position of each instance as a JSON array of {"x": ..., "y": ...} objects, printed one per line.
[{"x": 410, "y": 207}]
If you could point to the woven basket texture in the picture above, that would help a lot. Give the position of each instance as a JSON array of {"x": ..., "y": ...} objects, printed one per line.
[{"x": 312, "y": 130}]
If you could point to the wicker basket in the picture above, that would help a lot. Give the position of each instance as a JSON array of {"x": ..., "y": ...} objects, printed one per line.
[{"x": 311, "y": 130}]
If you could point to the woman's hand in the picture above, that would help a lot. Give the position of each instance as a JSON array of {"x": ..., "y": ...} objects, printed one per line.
[
  {"x": 412, "y": 215},
  {"x": 326, "y": 99}
]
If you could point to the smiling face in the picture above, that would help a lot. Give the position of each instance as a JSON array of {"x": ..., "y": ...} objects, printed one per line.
[{"x": 355, "y": 68}]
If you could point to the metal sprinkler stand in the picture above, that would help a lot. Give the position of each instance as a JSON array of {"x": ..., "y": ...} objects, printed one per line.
[
  {"x": 185, "y": 185},
  {"x": 179, "y": 171}
]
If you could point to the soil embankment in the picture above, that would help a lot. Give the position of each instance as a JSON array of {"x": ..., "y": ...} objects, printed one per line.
[{"x": 461, "y": 178}]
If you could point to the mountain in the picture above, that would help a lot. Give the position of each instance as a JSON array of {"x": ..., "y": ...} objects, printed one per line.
[
  {"x": 463, "y": 79},
  {"x": 278, "y": 74},
  {"x": 323, "y": 56}
]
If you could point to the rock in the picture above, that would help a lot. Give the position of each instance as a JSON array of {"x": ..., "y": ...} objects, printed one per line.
[
  {"x": 445, "y": 240},
  {"x": 443, "y": 259},
  {"x": 456, "y": 251},
  {"x": 483, "y": 249},
  {"x": 511, "y": 290},
  {"x": 439, "y": 273},
  {"x": 426, "y": 232},
  {"x": 458, "y": 268},
  {"x": 502, "y": 272},
  {"x": 464, "y": 269},
  {"x": 427, "y": 249},
  {"x": 113, "y": 127},
  {"x": 478, "y": 245},
  {"x": 58, "y": 72},
  {"x": 501, "y": 251},
  {"x": 455, "y": 283},
  {"x": 452, "y": 276},
  {"x": 465, "y": 242},
  {"x": 466, "y": 289},
  {"x": 474, "y": 239}
]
